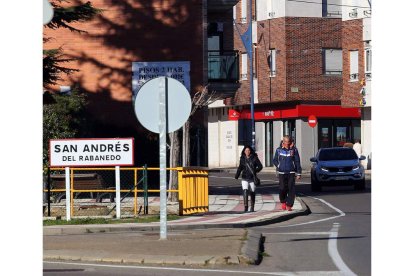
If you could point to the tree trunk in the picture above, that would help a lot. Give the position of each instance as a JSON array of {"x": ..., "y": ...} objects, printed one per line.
[
  {"x": 174, "y": 162},
  {"x": 186, "y": 144}
]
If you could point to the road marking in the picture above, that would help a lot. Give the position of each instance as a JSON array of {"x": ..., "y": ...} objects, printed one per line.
[
  {"x": 333, "y": 252},
  {"x": 341, "y": 214},
  {"x": 298, "y": 233},
  {"x": 332, "y": 247},
  {"x": 204, "y": 270}
]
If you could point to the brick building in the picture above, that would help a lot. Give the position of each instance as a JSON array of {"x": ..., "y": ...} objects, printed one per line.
[
  {"x": 301, "y": 67},
  {"x": 126, "y": 32}
]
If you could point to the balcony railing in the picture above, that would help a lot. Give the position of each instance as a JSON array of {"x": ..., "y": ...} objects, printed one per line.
[{"x": 223, "y": 66}]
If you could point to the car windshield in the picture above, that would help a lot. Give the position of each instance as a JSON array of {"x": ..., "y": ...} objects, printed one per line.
[{"x": 337, "y": 154}]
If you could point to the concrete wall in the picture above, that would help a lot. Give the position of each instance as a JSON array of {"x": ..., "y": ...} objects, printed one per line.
[
  {"x": 366, "y": 136},
  {"x": 222, "y": 139},
  {"x": 349, "y": 12},
  {"x": 301, "y": 9},
  {"x": 306, "y": 142},
  {"x": 277, "y": 133},
  {"x": 260, "y": 140},
  {"x": 228, "y": 138}
]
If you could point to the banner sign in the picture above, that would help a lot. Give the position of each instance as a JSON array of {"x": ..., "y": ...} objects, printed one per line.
[
  {"x": 234, "y": 114},
  {"x": 145, "y": 71},
  {"x": 298, "y": 111},
  {"x": 91, "y": 152}
]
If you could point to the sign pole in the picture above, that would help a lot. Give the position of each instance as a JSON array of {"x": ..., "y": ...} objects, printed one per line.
[
  {"x": 313, "y": 135},
  {"x": 312, "y": 122},
  {"x": 67, "y": 184},
  {"x": 118, "y": 192},
  {"x": 163, "y": 119}
]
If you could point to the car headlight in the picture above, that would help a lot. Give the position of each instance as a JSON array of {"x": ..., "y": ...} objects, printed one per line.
[
  {"x": 355, "y": 167},
  {"x": 325, "y": 169}
]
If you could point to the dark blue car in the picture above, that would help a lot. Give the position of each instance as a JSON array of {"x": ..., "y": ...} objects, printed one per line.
[{"x": 337, "y": 166}]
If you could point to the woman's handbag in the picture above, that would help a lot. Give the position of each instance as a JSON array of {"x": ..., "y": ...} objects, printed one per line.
[{"x": 255, "y": 178}]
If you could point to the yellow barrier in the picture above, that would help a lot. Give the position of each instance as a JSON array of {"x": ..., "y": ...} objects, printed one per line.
[{"x": 192, "y": 187}]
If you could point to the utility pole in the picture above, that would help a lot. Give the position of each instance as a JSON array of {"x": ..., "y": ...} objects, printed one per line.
[
  {"x": 247, "y": 40},
  {"x": 250, "y": 50}
]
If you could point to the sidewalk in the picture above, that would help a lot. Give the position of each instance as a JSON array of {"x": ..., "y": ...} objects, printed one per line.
[
  {"x": 225, "y": 211},
  {"x": 213, "y": 238}
]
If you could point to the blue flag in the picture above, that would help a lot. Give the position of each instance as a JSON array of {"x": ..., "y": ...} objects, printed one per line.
[{"x": 246, "y": 39}]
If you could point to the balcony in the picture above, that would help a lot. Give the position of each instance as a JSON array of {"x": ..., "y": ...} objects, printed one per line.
[
  {"x": 220, "y": 5},
  {"x": 223, "y": 72}
]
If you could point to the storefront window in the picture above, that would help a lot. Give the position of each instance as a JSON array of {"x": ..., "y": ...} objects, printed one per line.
[
  {"x": 335, "y": 133},
  {"x": 325, "y": 138},
  {"x": 245, "y": 132},
  {"x": 289, "y": 128},
  {"x": 341, "y": 136}
]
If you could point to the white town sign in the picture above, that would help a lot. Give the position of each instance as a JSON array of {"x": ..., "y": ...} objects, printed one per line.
[{"x": 91, "y": 152}]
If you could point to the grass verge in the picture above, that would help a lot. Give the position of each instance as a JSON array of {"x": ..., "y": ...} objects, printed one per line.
[{"x": 76, "y": 221}]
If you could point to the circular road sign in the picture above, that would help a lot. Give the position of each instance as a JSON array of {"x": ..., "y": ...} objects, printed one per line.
[
  {"x": 312, "y": 121},
  {"x": 147, "y": 103}
]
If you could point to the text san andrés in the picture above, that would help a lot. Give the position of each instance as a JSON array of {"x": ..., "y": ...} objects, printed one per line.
[{"x": 92, "y": 152}]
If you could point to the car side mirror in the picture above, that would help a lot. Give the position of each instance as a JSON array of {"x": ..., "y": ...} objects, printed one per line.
[
  {"x": 362, "y": 157},
  {"x": 313, "y": 159}
]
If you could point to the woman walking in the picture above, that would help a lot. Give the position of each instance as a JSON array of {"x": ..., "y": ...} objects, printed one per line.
[{"x": 248, "y": 167}]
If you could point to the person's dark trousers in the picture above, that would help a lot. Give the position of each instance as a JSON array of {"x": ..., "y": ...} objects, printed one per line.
[
  {"x": 287, "y": 188},
  {"x": 253, "y": 200},
  {"x": 245, "y": 200}
]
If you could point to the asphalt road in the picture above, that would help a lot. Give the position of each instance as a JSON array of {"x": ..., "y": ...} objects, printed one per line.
[{"x": 335, "y": 239}]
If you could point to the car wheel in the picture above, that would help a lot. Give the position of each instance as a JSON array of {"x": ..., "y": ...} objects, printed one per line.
[
  {"x": 360, "y": 185},
  {"x": 315, "y": 185}
]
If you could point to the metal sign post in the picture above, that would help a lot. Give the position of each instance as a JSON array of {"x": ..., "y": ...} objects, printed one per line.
[
  {"x": 118, "y": 191},
  {"x": 162, "y": 92},
  {"x": 312, "y": 122},
  {"x": 163, "y": 105},
  {"x": 67, "y": 182}
]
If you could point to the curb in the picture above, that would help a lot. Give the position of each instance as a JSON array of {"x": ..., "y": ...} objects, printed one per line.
[
  {"x": 252, "y": 248},
  {"x": 250, "y": 254},
  {"x": 78, "y": 229}
]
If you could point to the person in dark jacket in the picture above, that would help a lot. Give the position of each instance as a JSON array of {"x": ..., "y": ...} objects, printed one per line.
[
  {"x": 249, "y": 166},
  {"x": 287, "y": 162}
]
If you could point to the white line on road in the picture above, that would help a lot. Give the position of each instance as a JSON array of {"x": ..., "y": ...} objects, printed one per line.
[
  {"x": 203, "y": 270},
  {"x": 298, "y": 233},
  {"x": 333, "y": 252},
  {"x": 332, "y": 247},
  {"x": 341, "y": 214}
]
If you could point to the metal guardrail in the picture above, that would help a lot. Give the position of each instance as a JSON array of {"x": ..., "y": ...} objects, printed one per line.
[{"x": 192, "y": 186}]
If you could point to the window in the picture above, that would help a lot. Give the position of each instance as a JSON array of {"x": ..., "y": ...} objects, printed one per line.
[
  {"x": 243, "y": 18},
  {"x": 272, "y": 62},
  {"x": 244, "y": 66},
  {"x": 368, "y": 60},
  {"x": 332, "y": 61},
  {"x": 332, "y": 8},
  {"x": 353, "y": 64}
]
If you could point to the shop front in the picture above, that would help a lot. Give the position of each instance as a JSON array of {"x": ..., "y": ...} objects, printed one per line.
[{"x": 336, "y": 125}]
